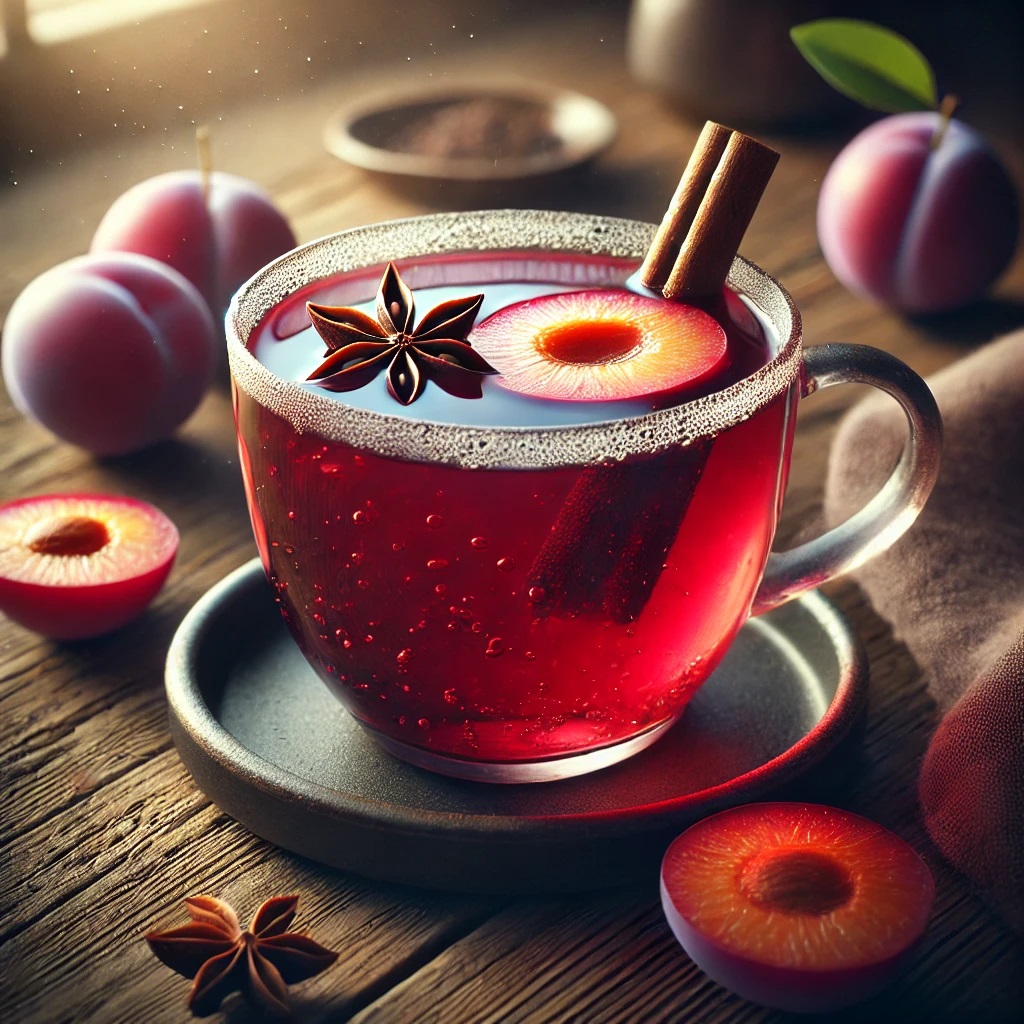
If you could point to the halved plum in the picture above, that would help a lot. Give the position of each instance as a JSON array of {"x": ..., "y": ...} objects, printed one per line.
[
  {"x": 796, "y": 906},
  {"x": 78, "y": 565},
  {"x": 600, "y": 345}
]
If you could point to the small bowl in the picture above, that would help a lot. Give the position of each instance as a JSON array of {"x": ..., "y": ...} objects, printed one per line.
[{"x": 470, "y": 133}]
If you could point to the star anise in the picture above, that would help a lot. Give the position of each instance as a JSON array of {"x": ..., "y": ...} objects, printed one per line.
[
  {"x": 359, "y": 347},
  {"x": 260, "y": 962}
]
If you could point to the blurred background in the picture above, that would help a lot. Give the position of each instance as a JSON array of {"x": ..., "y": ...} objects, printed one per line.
[
  {"x": 117, "y": 88},
  {"x": 73, "y": 70}
]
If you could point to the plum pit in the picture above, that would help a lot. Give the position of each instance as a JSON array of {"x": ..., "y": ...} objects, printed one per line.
[
  {"x": 590, "y": 344},
  {"x": 67, "y": 536},
  {"x": 795, "y": 881}
]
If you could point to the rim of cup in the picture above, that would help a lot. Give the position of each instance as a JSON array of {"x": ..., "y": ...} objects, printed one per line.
[{"x": 403, "y": 436}]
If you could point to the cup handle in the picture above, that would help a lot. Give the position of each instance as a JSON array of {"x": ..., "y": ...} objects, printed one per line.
[{"x": 892, "y": 510}]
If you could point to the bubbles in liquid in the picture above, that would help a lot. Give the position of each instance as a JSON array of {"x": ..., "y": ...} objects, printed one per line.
[
  {"x": 506, "y": 564},
  {"x": 435, "y": 522},
  {"x": 416, "y": 600},
  {"x": 436, "y": 564}
]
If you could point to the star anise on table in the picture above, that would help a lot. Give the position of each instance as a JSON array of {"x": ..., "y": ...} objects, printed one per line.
[
  {"x": 260, "y": 962},
  {"x": 359, "y": 347}
]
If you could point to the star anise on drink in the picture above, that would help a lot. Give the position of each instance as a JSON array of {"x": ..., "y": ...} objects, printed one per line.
[
  {"x": 359, "y": 347},
  {"x": 260, "y": 962}
]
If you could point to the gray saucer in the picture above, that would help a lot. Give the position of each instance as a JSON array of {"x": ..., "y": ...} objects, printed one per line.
[{"x": 273, "y": 748}]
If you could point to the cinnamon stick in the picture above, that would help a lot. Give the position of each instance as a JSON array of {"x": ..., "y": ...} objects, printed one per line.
[
  {"x": 607, "y": 546},
  {"x": 682, "y": 208},
  {"x": 604, "y": 553},
  {"x": 714, "y": 202}
]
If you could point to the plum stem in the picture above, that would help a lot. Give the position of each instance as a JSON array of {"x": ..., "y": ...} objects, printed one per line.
[
  {"x": 205, "y": 156},
  {"x": 949, "y": 104}
]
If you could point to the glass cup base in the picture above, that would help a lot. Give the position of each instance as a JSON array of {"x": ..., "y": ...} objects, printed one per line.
[{"x": 512, "y": 772}]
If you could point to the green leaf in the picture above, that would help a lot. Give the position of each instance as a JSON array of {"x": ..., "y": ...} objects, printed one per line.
[{"x": 872, "y": 65}]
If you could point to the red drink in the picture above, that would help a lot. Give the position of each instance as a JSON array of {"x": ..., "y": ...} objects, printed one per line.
[{"x": 468, "y": 611}]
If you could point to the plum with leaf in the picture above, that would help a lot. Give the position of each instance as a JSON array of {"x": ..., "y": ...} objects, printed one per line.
[{"x": 917, "y": 212}]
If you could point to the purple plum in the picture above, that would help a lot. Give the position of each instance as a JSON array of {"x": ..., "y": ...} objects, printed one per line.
[
  {"x": 917, "y": 221},
  {"x": 109, "y": 351},
  {"x": 217, "y": 241}
]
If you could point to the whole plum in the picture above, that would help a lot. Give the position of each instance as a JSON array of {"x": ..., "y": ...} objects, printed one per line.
[
  {"x": 109, "y": 351},
  {"x": 217, "y": 229},
  {"x": 919, "y": 221}
]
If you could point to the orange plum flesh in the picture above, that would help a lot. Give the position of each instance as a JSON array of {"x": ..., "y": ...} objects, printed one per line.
[
  {"x": 796, "y": 906},
  {"x": 74, "y": 566},
  {"x": 600, "y": 345}
]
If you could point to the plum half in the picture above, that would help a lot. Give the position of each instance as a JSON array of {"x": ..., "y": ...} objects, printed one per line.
[
  {"x": 600, "y": 345},
  {"x": 78, "y": 565},
  {"x": 795, "y": 906}
]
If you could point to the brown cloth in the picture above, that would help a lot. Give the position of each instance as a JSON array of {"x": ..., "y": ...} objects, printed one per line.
[{"x": 953, "y": 589}]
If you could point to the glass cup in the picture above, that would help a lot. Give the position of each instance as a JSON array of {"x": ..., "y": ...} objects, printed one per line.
[{"x": 531, "y": 602}]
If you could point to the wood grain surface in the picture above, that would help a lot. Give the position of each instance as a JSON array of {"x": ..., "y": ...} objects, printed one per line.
[{"x": 103, "y": 832}]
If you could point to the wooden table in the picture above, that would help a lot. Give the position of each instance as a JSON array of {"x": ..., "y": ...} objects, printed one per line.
[{"x": 103, "y": 831}]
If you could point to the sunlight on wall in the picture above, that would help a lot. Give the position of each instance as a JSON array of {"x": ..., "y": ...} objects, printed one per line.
[{"x": 55, "y": 21}]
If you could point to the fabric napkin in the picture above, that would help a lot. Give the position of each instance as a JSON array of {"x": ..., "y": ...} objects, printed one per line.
[{"x": 953, "y": 589}]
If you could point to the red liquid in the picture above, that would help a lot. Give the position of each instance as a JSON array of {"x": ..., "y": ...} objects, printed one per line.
[{"x": 515, "y": 615}]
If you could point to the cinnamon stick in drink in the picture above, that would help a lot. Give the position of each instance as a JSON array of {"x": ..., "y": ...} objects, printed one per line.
[
  {"x": 607, "y": 546},
  {"x": 714, "y": 235},
  {"x": 682, "y": 208}
]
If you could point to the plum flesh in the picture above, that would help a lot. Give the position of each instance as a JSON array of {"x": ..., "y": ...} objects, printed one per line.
[
  {"x": 796, "y": 906},
  {"x": 74, "y": 566}
]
